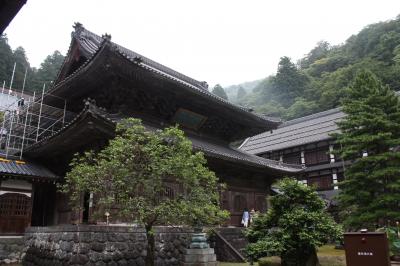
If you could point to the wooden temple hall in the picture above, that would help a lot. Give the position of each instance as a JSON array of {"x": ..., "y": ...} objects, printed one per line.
[{"x": 100, "y": 83}]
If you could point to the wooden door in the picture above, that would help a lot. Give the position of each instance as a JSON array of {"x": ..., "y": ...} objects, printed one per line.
[
  {"x": 239, "y": 201},
  {"x": 15, "y": 209}
]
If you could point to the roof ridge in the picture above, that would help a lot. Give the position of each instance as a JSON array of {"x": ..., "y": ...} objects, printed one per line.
[
  {"x": 81, "y": 31},
  {"x": 151, "y": 65},
  {"x": 282, "y": 130},
  {"x": 309, "y": 117},
  {"x": 297, "y": 132}
]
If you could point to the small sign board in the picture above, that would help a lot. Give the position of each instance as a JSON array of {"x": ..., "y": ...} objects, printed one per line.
[{"x": 366, "y": 249}]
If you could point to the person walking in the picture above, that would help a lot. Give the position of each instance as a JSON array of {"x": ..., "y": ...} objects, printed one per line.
[{"x": 245, "y": 218}]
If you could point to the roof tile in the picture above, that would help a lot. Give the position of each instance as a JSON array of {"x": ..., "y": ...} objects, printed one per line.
[{"x": 301, "y": 131}]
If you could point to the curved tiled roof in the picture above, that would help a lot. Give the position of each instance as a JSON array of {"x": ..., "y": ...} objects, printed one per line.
[
  {"x": 16, "y": 168},
  {"x": 296, "y": 132},
  {"x": 210, "y": 149},
  {"x": 236, "y": 155},
  {"x": 90, "y": 44}
]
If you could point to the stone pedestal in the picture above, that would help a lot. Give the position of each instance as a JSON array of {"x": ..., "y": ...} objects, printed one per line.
[{"x": 199, "y": 253}]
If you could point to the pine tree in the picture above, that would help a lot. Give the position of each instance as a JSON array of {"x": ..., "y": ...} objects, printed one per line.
[
  {"x": 289, "y": 83},
  {"x": 219, "y": 91},
  {"x": 6, "y": 60},
  {"x": 293, "y": 228},
  {"x": 48, "y": 71},
  {"x": 370, "y": 135}
]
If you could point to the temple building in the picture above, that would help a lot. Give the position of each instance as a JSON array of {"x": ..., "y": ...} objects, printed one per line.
[
  {"x": 305, "y": 141},
  {"x": 99, "y": 84}
]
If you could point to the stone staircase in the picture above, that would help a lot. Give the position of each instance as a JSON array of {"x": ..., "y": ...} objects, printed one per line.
[{"x": 230, "y": 244}]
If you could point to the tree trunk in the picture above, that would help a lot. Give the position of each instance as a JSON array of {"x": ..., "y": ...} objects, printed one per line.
[
  {"x": 313, "y": 259},
  {"x": 150, "y": 246},
  {"x": 300, "y": 258}
]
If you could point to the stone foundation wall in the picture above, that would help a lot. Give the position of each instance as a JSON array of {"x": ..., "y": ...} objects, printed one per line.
[
  {"x": 102, "y": 245},
  {"x": 11, "y": 249}
]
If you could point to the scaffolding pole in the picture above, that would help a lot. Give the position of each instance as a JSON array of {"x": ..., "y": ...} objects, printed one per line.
[
  {"x": 23, "y": 134},
  {"x": 23, "y": 85},
  {"x": 25, "y": 123},
  {"x": 40, "y": 112},
  {"x": 3, "y": 128},
  {"x": 12, "y": 76},
  {"x": 9, "y": 135}
]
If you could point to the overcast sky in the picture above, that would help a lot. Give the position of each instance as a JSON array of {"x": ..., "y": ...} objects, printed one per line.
[{"x": 218, "y": 41}]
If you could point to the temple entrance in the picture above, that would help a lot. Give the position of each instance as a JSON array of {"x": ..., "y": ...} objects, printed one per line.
[
  {"x": 15, "y": 212},
  {"x": 43, "y": 204},
  {"x": 236, "y": 201}
]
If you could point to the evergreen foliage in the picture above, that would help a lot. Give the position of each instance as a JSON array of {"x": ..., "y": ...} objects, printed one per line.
[
  {"x": 48, "y": 70},
  {"x": 6, "y": 61},
  {"x": 133, "y": 176},
  {"x": 219, "y": 91},
  {"x": 294, "y": 226},
  {"x": 34, "y": 77},
  {"x": 370, "y": 194},
  {"x": 320, "y": 78},
  {"x": 288, "y": 83}
]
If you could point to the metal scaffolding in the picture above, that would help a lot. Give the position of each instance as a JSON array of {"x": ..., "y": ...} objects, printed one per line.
[{"x": 27, "y": 121}]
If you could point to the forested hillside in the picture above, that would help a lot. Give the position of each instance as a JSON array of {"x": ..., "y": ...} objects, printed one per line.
[
  {"x": 317, "y": 81},
  {"x": 35, "y": 77},
  {"x": 237, "y": 92}
]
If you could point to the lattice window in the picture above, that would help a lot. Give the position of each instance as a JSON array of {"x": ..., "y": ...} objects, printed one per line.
[
  {"x": 14, "y": 204},
  {"x": 169, "y": 193},
  {"x": 293, "y": 158},
  {"x": 321, "y": 182},
  {"x": 323, "y": 156},
  {"x": 316, "y": 156}
]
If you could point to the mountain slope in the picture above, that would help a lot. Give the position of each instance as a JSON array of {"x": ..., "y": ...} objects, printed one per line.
[{"x": 318, "y": 81}]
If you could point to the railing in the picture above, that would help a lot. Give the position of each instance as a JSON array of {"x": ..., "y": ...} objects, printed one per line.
[{"x": 225, "y": 251}]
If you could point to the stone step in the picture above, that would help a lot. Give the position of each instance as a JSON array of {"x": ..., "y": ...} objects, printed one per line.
[
  {"x": 199, "y": 251},
  {"x": 200, "y": 258},
  {"x": 230, "y": 232}
]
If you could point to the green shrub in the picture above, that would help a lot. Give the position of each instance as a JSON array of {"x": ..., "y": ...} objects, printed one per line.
[
  {"x": 295, "y": 225},
  {"x": 393, "y": 238}
]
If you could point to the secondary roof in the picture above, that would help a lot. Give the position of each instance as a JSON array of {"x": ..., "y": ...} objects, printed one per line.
[{"x": 297, "y": 132}]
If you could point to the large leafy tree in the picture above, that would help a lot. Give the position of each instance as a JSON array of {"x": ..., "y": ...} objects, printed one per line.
[
  {"x": 370, "y": 194},
  {"x": 136, "y": 174},
  {"x": 219, "y": 91},
  {"x": 294, "y": 226},
  {"x": 319, "y": 51}
]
